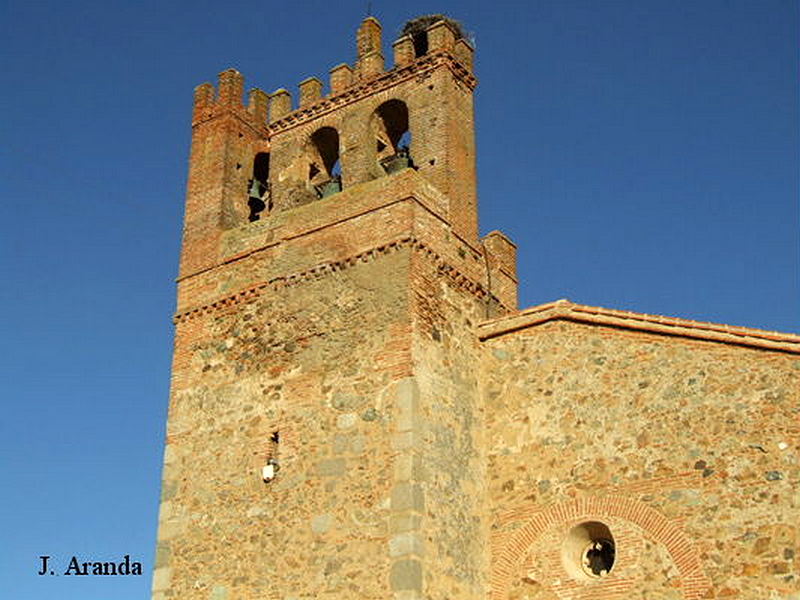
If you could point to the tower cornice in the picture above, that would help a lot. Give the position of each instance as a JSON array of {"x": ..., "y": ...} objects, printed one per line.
[{"x": 446, "y": 269}]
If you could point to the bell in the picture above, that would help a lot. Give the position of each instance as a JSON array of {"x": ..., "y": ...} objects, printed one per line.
[
  {"x": 255, "y": 189},
  {"x": 329, "y": 188},
  {"x": 396, "y": 162}
]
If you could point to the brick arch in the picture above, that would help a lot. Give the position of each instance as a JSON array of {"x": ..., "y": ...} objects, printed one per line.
[
  {"x": 394, "y": 115},
  {"x": 511, "y": 549}
]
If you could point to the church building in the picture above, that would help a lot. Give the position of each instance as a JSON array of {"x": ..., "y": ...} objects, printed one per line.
[{"x": 360, "y": 410}]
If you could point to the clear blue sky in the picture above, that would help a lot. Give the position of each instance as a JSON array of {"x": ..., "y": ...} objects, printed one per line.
[{"x": 643, "y": 155}]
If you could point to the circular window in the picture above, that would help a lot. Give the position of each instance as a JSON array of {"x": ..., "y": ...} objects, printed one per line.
[{"x": 588, "y": 551}]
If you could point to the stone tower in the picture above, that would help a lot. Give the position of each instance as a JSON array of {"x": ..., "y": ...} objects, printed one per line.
[
  {"x": 358, "y": 409},
  {"x": 330, "y": 276}
]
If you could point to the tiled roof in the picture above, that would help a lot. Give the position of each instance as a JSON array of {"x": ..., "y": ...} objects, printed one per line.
[{"x": 566, "y": 310}]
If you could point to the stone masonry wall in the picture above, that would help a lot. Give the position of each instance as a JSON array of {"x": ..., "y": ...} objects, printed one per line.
[
  {"x": 451, "y": 439},
  {"x": 317, "y": 363},
  {"x": 686, "y": 450},
  {"x": 307, "y": 327}
]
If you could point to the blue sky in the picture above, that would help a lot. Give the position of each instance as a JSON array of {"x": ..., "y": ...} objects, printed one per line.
[{"x": 642, "y": 154}]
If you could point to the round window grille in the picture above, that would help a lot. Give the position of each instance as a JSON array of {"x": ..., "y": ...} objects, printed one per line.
[
  {"x": 598, "y": 558},
  {"x": 588, "y": 551}
]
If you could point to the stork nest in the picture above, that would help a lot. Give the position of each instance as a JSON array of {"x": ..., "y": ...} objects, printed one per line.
[{"x": 416, "y": 26}]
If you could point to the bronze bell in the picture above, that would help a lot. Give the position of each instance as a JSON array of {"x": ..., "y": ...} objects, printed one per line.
[
  {"x": 329, "y": 188},
  {"x": 255, "y": 189},
  {"x": 397, "y": 162}
]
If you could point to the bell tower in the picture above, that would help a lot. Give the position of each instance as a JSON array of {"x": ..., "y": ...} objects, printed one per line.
[{"x": 324, "y": 431}]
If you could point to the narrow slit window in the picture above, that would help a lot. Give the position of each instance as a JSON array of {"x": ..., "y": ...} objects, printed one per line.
[
  {"x": 420, "y": 39},
  {"x": 272, "y": 466},
  {"x": 259, "y": 198}
]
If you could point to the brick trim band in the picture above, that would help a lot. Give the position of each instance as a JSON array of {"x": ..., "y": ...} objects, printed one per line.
[{"x": 325, "y": 269}]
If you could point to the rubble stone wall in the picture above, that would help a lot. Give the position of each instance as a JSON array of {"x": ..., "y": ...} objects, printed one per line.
[
  {"x": 686, "y": 450},
  {"x": 320, "y": 528}
]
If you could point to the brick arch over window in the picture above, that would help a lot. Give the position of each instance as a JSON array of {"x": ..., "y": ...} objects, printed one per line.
[
  {"x": 392, "y": 136},
  {"x": 510, "y": 549},
  {"x": 393, "y": 119},
  {"x": 324, "y": 168},
  {"x": 325, "y": 146}
]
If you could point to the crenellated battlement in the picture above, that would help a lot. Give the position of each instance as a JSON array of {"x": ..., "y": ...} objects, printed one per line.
[
  {"x": 356, "y": 90},
  {"x": 444, "y": 44},
  {"x": 228, "y": 96}
]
